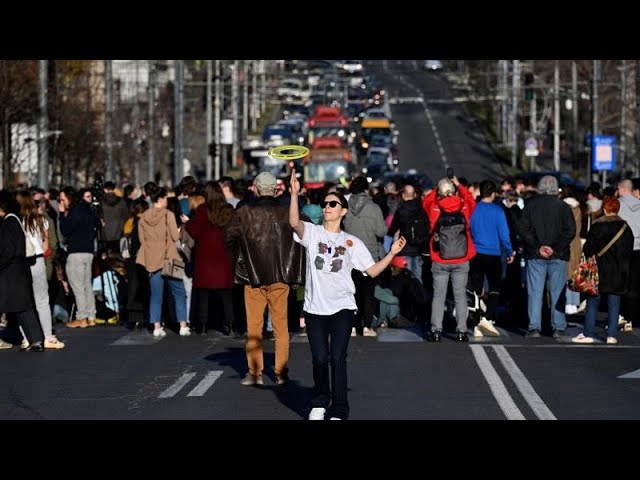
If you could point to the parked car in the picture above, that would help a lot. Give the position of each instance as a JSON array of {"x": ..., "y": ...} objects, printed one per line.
[{"x": 433, "y": 65}]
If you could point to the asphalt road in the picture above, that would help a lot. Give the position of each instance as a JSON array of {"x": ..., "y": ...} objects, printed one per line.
[
  {"x": 436, "y": 129},
  {"x": 111, "y": 373}
]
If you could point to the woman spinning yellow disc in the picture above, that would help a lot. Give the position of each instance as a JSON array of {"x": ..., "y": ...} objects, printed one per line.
[{"x": 288, "y": 152}]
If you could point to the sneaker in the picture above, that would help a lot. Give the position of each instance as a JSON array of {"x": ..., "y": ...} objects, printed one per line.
[
  {"x": 461, "y": 336},
  {"x": 5, "y": 345},
  {"x": 335, "y": 418},
  {"x": 250, "y": 380},
  {"x": 353, "y": 331},
  {"x": 91, "y": 322},
  {"x": 113, "y": 321},
  {"x": 487, "y": 328},
  {"x": 477, "y": 332},
  {"x": 435, "y": 336},
  {"x": 582, "y": 339},
  {"x": 317, "y": 413},
  {"x": 558, "y": 334},
  {"x": 369, "y": 332},
  {"x": 78, "y": 323},
  {"x": 53, "y": 343},
  {"x": 532, "y": 334},
  {"x": 621, "y": 321},
  {"x": 282, "y": 379},
  {"x": 100, "y": 321},
  {"x": 570, "y": 309},
  {"x": 612, "y": 340},
  {"x": 159, "y": 332},
  {"x": 24, "y": 345},
  {"x": 184, "y": 331}
]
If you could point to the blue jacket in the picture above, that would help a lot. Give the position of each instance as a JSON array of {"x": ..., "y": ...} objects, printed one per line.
[{"x": 489, "y": 229}]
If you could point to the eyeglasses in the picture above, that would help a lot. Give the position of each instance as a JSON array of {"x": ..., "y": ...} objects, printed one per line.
[
  {"x": 504, "y": 191},
  {"x": 332, "y": 204}
]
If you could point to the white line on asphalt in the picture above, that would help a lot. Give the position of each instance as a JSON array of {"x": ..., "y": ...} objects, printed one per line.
[
  {"x": 176, "y": 387},
  {"x": 204, "y": 385},
  {"x": 506, "y": 403},
  {"x": 526, "y": 389}
]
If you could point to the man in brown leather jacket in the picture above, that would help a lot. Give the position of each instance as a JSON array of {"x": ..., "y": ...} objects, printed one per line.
[{"x": 267, "y": 261}]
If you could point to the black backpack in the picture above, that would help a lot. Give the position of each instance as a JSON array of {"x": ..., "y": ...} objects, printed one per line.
[
  {"x": 450, "y": 235},
  {"x": 416, "y": 229}
]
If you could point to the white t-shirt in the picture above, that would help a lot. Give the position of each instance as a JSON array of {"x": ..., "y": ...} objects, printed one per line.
[{"x": 330, "y": 259}]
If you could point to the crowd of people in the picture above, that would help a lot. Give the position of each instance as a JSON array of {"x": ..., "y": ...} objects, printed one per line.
[{"x": 268, "y": 259}]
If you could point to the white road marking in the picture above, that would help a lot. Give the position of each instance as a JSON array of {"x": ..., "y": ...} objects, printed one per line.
[
  {"x": 634, "y": 374},
  {"x": 177, "y": 386},
  {"x": 204, "y": 385},
  {"x": 506, "y": 403},
  {"x": 526, "y": 389}
]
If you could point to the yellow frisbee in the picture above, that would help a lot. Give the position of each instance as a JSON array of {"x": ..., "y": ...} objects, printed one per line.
[{"x": 288, "y": 152}]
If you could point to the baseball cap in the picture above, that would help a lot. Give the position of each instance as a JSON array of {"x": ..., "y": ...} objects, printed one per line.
[{"x": 266, "y": 182}]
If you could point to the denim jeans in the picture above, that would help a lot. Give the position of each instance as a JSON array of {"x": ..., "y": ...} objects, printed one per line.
[
  {"x": 176, "y": 287},
  {"x": 573, "y": 298},
  {"x": 537, "y": 271},
  {"x": 414, "y": 264},
  {"x": 329, "y": 339},
  {"x": 591, "y": 313}
]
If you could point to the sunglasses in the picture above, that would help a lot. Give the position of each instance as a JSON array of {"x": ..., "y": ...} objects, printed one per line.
[{"x": 332, "y": 204}]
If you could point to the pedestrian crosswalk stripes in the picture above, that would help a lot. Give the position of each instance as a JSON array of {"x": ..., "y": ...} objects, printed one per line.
[{"x": 198, "y": 391}]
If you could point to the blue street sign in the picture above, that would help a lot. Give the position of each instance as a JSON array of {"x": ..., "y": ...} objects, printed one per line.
[{"x": 603, "y": 153}]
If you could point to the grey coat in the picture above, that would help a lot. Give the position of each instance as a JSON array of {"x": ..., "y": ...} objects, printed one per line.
[{"x": 366, "y": 222}]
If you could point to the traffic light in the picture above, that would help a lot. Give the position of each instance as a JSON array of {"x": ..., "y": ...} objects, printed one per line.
[{"x": 528, "y": 86}]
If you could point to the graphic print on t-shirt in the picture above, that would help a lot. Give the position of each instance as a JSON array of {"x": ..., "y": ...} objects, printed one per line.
[{"x": 329, "y": 256}]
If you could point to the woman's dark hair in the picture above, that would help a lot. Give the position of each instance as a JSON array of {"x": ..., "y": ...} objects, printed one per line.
[
  {"x": 219, "y": 211},
  {"x": 8, "y": 202},
  {"x": 339, "y": 196},
  {"x": 72, "y": 195},
  {"x": 359, "y": 185},
  {"x": 138, "y": 206},
  {"x": 159, "y": 192}
]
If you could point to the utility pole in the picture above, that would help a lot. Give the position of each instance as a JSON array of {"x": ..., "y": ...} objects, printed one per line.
[
  {"x": 43, "y": 126},
  {"x": 514, "y": 113},
  {"x": 209, "y": 167},
  {"x": 594, "y": 113},
  {"x": 623, "y": 113},
  {"x": 556, "y": 116},
  {"x": 263, "y": 86},
  {"x": 216, "y": 123},
  {"x": 234, "y": 113},
  {"x": 245, "y": 98},
  {"x": 108, "y": 124},
  {"x": 151, "y": 172},
  {"x": 636, "y": 168},
  {"x": 254, "y": 95},
  {"x": 574, "y": 112},
  {"x": 178, "y": 99},
  {"x": 503, "y": 101}
]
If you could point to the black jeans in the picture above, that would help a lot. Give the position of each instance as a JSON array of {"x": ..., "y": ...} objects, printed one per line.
[
  {"x": 490, "y": 266},
  {"x": 329, "y": 339}
]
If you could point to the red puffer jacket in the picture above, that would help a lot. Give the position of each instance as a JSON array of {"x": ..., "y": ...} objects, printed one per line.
[{"x": 433, "y": 206}]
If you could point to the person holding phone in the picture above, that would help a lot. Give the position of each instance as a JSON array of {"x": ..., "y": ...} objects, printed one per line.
[{"x": 329, "y": 296}]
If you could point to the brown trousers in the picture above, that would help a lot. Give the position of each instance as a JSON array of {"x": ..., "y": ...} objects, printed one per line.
[{"x": 256, "y": 299}]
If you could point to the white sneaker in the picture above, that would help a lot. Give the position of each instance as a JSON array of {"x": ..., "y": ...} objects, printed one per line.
[
  {"x": 582, "y": 339},
  {"x": 570, "y": 309},
  {"x": 487, "y": 328},
  {"x": 621, "y": 321},
  {"x": 582, "y": 307},
  {"x": 353, "y": 331},
  {"x": 335, "y": 418},
  {"x": 159, "y": 332},
  {"x": 612, "y": 340},
  {"x": 185, "y": 331},
  {"x": 317, "y": 413},
  {"x": 477, "y": 332},
  {"x": 369, "y": 332}
]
